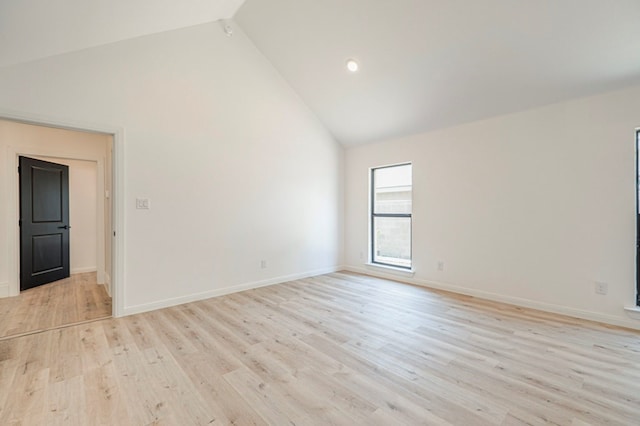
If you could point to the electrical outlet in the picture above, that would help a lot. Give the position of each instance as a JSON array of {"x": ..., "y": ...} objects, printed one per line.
[
  {"x": 440, "y": 265},
  {"x": 601, "y": 288},
  {"x": 263, "y": 264}
]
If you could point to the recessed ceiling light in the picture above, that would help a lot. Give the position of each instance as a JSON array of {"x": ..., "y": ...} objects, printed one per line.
[{"x": 352, "y": 65}]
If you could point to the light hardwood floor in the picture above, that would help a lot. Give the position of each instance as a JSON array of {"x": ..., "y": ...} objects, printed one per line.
[
  {"x": 69, "y": 301},
  {"x": 339, "y": 349}
]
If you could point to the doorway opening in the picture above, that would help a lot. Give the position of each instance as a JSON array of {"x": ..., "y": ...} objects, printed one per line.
[{"x": 86, "y": 294}]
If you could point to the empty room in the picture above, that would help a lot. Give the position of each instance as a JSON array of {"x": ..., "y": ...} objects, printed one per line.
[{"x": 296, "y": 212}]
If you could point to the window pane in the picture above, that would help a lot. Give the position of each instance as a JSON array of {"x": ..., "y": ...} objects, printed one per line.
[
  {"x": 392, "y": 189},
  {"x": 392, "y": 241}
]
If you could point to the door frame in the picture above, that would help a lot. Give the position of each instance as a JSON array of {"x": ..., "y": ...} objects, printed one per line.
[{"x": 116, "y": 274}]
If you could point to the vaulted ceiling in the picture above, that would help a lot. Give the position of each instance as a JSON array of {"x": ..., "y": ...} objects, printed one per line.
[
  {"x": 424, "y": 64},
  {"x": 34, "y": 29},
  {"x": 428, "y": 64}
]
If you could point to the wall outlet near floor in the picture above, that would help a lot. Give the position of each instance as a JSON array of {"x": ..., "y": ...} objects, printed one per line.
[
  {"x": 440, "y": 265},
  {"x": 601, "y": 287},
  {"x": 263, "y": 264}
]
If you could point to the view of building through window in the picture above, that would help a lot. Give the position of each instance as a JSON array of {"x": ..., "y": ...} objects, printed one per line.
[{"x": 391, "y": 215}]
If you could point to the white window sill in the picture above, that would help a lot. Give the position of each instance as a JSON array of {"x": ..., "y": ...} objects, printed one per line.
[{"x": 391, "y": 269}]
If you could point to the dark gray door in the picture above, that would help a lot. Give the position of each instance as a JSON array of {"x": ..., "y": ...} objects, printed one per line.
[{"x": 44, "y": 222}]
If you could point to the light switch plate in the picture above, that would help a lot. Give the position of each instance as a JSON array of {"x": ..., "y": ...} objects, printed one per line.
[{"x": 142, "y": 203}]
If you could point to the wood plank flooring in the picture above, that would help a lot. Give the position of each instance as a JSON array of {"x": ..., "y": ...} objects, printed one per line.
[
  {"x": 69, "y": 301},
  {"x": 339, "y": 349}
]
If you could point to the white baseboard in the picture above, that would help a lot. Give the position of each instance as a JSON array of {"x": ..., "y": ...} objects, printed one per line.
[
  {"x": 83, "y": 270},
  {"x": 136, "y": 309},
  {"x": 4, "y": 290},
  {"x": 526, "y": 303}
]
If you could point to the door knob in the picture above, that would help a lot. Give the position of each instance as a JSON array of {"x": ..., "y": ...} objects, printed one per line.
[{"x": 64, "y": 227}]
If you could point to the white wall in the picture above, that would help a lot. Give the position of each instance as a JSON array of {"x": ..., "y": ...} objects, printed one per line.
[
  {"x": 83, "y": 183},
  {"x": 530, "y": 208},
  {"x": 236, "y": 167}
]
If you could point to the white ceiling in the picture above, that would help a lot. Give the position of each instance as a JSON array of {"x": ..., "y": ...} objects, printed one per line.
[
  {"x": 428, "y": 64},
  {"x": 33, "y": 29},
  {"x": 425, "y": 64}
]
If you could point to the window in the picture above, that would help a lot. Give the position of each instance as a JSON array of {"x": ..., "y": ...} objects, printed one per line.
[
  {"x": 638, "y": 218},
  {"x": 391, "y": 215}
]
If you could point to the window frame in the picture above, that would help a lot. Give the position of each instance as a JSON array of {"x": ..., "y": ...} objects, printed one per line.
[
  {"x": 637, "y": 171},
  {"x": 373, "y": 215}
]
